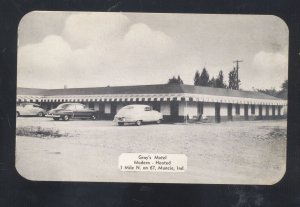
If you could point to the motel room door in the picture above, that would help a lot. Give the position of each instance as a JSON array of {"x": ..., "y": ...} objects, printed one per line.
[
  {"x": 217, "y": 112},
  {"x": 113, "y": 109},
  {"x": 229, "y": 112},
  {"x": 174, "y": 111}
]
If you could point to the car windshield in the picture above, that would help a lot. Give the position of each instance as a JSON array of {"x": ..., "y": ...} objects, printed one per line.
[{"x": 63, "y": 106}]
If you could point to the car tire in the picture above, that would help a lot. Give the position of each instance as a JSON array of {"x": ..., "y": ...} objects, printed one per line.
[
  {"x": 17, "y": 114},
  {"x": 138, "y": 122},
  {"x": 55, "y": 118},
  {"x": 66, "y": 117},
  {"x": 40, "y": 114},
  {"x": 158, "y": 121},
  {"x": 120, "y": 123},
  {"x": 93, "y": 117}
]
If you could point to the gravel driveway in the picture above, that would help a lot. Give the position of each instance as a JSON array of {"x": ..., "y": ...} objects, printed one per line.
[{"x": 248, "y": 152}]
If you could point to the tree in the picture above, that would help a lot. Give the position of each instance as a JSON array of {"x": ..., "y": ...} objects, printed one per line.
[
  {"x": 203, "y": 79},
  {"x": 175, "y": 80},
  {"x": 212, "y": 82},
  {"x": 220, "y": 80},
  {"x": 197, "y": 78},
  {"x": 233, "y": 82},
  {"x": 179, "y": 80},
  {"x": 273, "y": 92},
  {"x": 283, "y": 93},
  {"x": 284, "y": 85}
]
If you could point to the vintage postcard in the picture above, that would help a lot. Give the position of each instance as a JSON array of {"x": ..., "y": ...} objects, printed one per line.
[{"x": 152, "y": 97}]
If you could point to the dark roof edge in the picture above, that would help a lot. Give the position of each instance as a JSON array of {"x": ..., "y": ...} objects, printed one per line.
[{"x": 176, "y": 88}]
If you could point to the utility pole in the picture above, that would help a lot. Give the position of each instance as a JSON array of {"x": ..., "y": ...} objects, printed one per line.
[{"x": 237, "y": 72}]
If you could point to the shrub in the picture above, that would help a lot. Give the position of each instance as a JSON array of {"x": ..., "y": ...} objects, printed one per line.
[{"x": 32, "y": 131}]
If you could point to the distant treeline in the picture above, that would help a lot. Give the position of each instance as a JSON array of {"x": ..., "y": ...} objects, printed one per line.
[
  {"x": 203, "y": 79},
  {"x": 282, "y": 93}
]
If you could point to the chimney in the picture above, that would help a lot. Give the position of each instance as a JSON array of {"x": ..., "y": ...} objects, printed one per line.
[{"x": 65, "y": 86}]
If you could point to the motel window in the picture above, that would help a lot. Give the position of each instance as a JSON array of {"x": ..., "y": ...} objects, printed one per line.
[
  {"x": 267, "y": 110},
  {"x": 156, "y": 106},
  {"x": 273, "y": 110},
  {"x": 252, "y": 109},
  {"x": 237, "y": 109},
  {"x": 91, "y": 105},
  {"x": 260, "y": 110}
]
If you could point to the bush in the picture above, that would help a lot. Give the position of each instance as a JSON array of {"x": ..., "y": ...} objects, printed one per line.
[{"x": 40, "y": 132}]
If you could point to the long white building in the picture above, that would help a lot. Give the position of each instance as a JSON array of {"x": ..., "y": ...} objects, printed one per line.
[{"x": 177, "y": 102}]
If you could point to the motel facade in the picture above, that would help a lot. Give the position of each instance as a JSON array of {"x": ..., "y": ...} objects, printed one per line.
[{"x": 177, "y": 102}]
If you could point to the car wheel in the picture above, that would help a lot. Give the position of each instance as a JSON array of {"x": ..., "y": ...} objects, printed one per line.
[
  {"x": 55, "y": 118},
  {"x": 158, "y": 121},
  {"x": 66, "y": 117},
  {"x": 120, "y": 123},
  {"x": 138, "y": 122},
  {"x": 40, "y": 114},
  {"x": 93, "y": 117},
  {"x": 17, "y": 114}
]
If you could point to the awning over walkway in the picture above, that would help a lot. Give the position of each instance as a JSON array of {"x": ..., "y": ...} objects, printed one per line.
[{"x": 149, "y": 97}]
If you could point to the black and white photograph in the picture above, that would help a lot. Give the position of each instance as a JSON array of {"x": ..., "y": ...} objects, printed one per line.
[{"x": 152, "y": 97}]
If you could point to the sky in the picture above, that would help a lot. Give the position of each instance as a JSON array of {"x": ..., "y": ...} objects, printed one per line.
[{"x": 95, "y": 49}]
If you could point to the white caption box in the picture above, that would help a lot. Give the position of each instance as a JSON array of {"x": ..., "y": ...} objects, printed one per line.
[{"x": 152, "y": 162}]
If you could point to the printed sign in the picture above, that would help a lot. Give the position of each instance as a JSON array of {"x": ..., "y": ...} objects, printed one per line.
[{"x": 153, "y": 162}]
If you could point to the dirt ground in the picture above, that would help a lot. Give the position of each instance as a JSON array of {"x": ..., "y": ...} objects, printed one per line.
[{"x": 248, "y": 152}]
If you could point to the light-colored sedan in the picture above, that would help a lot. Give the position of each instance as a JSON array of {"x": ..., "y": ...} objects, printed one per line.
[
  {"x": 29, "y": 109},
  {"x": 138, "y": 114}
]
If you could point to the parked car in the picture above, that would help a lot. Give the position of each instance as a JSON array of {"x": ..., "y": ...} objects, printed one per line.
[
  {"x": 137, "y": 114},
  {"x": 66, "y": 111},
  {"x": 29, "y": 109}
]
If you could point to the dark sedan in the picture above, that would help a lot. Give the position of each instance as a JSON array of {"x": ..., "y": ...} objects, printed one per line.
[{"x": 66, "y": 111}]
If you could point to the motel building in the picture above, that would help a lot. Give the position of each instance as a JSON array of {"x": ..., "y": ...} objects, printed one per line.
[{"x": 177, "y": 102}]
